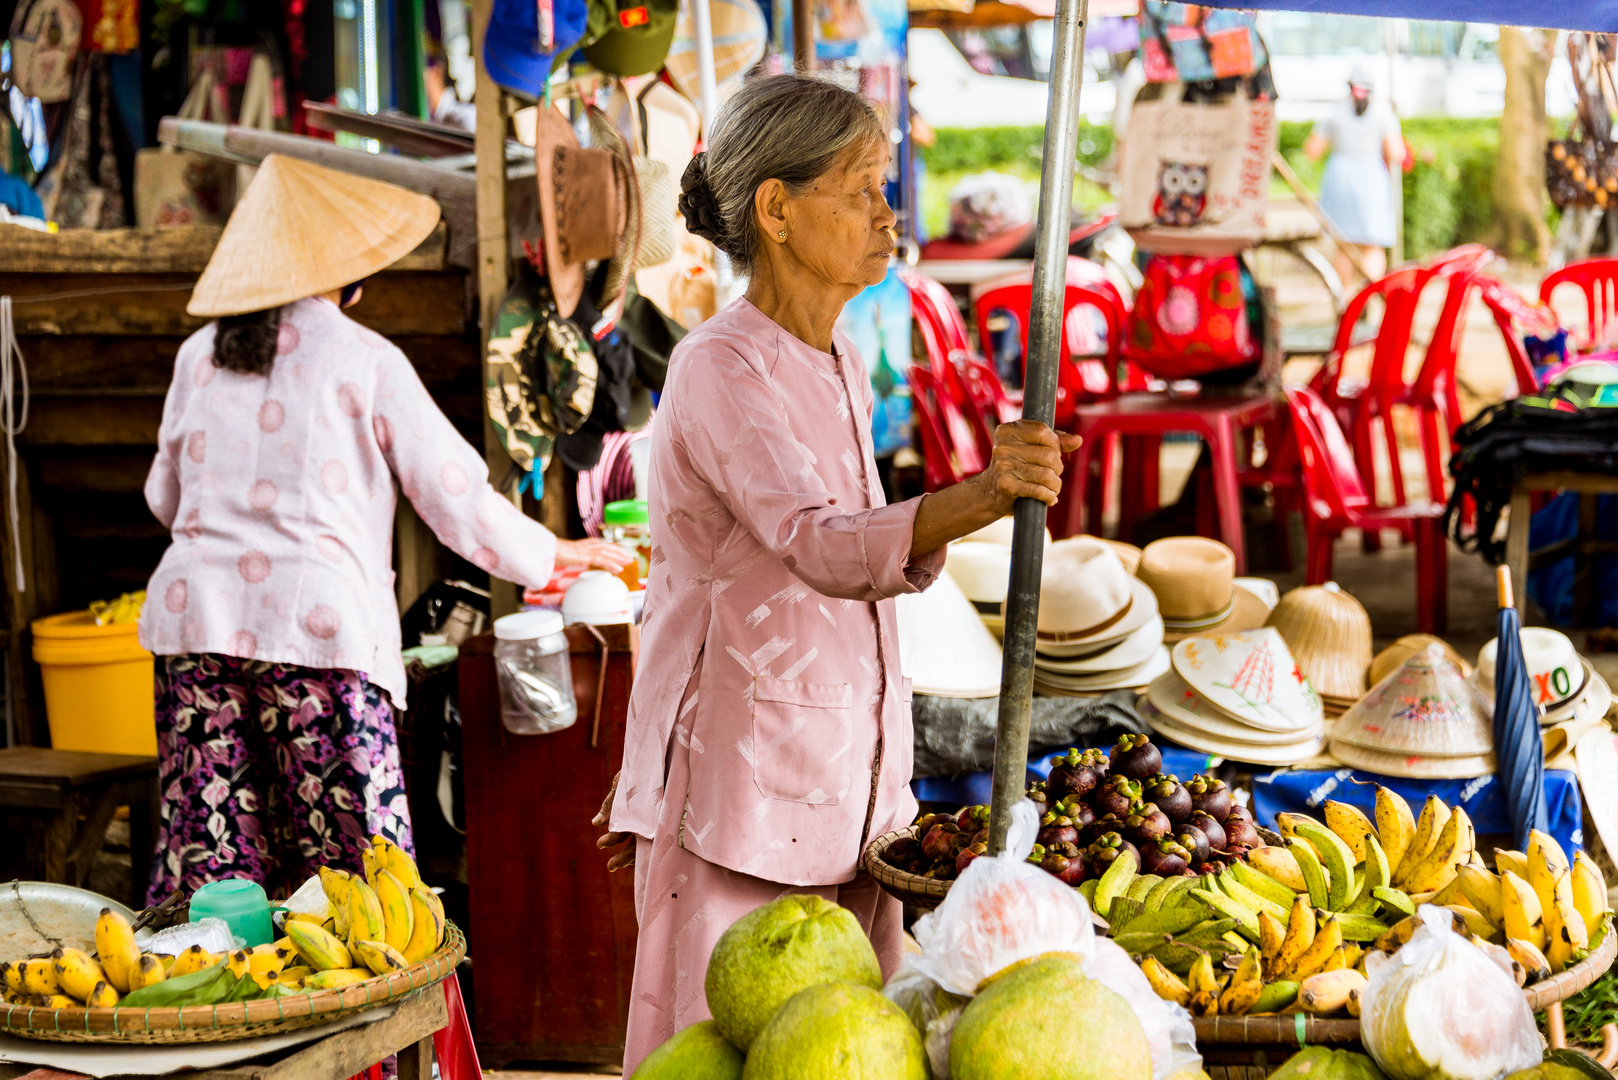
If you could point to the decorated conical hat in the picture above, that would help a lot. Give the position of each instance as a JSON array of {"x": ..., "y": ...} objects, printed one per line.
[
  {"x": 1252, "y": 677},
  {"x": 302, "y": 229},
  {"x": 1426, "y": 708},
  {"x": 1133, "y": 651},
  {"x": 1386, "y": 661},
  {"x": 1139, "y": 675},
  {"x": 1284, "y": 754},
  {"x": 1329, "y": 633},
  {"x": 944, "y": 648},
  {"x": 1412, "y": 765},
  {"x": 1180, "y": 704}
]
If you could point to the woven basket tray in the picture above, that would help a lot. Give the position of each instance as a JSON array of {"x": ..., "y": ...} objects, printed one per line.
[
  {"x": 239, "y": 1020},
  {"x": 912, "y": 889}
]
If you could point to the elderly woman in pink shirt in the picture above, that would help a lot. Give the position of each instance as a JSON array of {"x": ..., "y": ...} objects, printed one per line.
[
  {"x": 769, "y": 728},
  {"x": 272, "y": 614}
]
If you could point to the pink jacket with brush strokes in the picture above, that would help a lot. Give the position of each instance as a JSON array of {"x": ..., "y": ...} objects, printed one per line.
[{"x": 769, "y": 723}]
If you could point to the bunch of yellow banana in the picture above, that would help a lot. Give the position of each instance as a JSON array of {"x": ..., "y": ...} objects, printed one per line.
[
  {"x": 382, "y": 922},
  {"x": 72, "y": 978}
]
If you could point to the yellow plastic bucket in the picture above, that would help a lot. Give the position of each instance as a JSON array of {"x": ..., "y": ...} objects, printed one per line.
[{"x": 98, "y": 685}]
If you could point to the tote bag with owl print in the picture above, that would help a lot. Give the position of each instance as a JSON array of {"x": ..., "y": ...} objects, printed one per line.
[{"x": 1194, "y": 176}]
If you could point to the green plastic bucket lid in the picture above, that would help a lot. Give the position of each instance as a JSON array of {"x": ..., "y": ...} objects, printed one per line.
[{"x": 626, "y": 512}]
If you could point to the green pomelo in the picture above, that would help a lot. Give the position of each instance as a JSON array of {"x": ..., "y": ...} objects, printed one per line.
[
  {"x": 838, "y": 1031},
  {"x": 1320, "y": 1063},
  {"x": 697, "y": 1053},
  {"x": 1046, "y": 1019},
  {"x": 775, "y": 951}
]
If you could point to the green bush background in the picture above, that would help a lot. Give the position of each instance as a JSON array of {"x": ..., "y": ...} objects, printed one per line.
[{"x": 1447, "y": 192}]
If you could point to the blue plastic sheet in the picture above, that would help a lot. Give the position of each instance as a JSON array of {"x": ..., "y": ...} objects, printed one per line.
[
  {"x": 973, "y": 788},
  {"x": 1302, "y": 791}
]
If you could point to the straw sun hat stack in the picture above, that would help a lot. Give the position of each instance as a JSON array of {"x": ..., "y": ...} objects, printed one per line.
[
  {"x": 1238, "y": 695},
  {"x": 302, "y": 229},
  {"x": 1099, "y": 628},
  {"x": 1329, "y": 633}
]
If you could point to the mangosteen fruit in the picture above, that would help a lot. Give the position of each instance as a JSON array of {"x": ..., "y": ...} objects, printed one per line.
[
  {"x": 1135, "y": 757},
  {"x": 1037, "y": 855},
  {"x": 1165, "y": 792},
  {"x": 1241, "y": 834},
  {"x": 1100, "y": 827},
  {"x": 1146, "y": 824},
  {"x": 1209, "y": 795},
  {"x": 1116, "y": 796},
  {"x": 1193, "y": 840},
  {"x": 1210, "y": 827},
  {"x": 939, "y": 842},
  {"x": 1098, "y": 761},
  {"x": 964, "y": 859},
  {"x": 1065, "y": 862},
  {"x": 903, "y": 851},
  {"x": 1057, "y": 829},
  {"x": 1164, "y": 857},
  {"x": 1079, "y": 813},
  {"x": 1238, "y": 812},
  {"x": 1107, "y": 848},
  {"x": 927, "y": 821},
  {"x": 1071, "y": 774},
  {"x": 973, "y": 818}
]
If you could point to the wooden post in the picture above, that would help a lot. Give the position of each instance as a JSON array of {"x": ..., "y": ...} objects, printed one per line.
[
  {"x": 22, "y": 604},
  {"x": 803, "y": 35},
  {"x": 493, "y": 256}
]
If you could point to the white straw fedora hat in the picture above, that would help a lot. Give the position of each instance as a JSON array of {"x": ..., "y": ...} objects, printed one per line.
[
  {"x": 1102, "y": 681},
  {"x": 1087, "y": 600},
  {"x": 944, "y": 648},
  {"x": 997, "y": 532},
  {"x": 1592, "y": 702},
  {"x": 1133, "y": 651},
  {"x": 1556, "y": 672},
  {"x": 302, "y": 229},
  {"x": 1194, "y": 579}
]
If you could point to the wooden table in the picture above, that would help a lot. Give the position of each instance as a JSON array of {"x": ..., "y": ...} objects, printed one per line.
[
  {"x": 50, "y": 790},
  {"x": 407, "y": 1033},
  {"x": 1582, "y": 546}
]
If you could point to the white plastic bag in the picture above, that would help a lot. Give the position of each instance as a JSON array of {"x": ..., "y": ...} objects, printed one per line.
[
  {"x": 310, "y": 899},
  {"x": 999, "y": 911},
  {"x": 1442, "y": 1009},
  {"x": 1170, "y": 1037},
  {"x": 931, "y": 1008},
  {"x": 212, "y": 934}
]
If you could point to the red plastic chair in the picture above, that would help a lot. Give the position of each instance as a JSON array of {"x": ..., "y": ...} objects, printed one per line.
[
  {"x": 1336, "y": 499},
  {"x": 937, "y": 314},
  {"x": 1087, "y": 379},
  {"x": 1598, "y": 280},
  {"x": 949, "y": 446}
]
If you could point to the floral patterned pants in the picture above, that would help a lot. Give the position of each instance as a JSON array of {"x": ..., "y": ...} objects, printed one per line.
[{"x": 270, "y": 771}]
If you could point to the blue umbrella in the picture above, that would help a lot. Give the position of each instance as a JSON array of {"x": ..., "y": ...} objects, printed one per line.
[{"x": 1519, "y": 754}]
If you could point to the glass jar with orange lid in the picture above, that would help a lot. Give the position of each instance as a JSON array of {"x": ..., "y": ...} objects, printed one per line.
[{"x": 627, "y": 523}]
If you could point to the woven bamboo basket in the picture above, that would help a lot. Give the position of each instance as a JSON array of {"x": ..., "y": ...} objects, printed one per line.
[
  {"x": 239, "y": 1020},
  {"x": 1329, "y": 634},
  {"x": 912, "y": 889},
  {"x": 1252, "y": 1047}
]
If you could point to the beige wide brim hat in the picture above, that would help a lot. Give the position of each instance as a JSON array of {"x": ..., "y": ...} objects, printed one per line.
[
  {"x": 997, "y": 532},
  {"x": 944, "y": 649},
  {"x": 1275, "y": 756},
  {"x": 1184, "y": 708},
  {"x": 1561, "y": 740},
  {"x": 1414, "y": 766},
  {"x": 1194, "y": 580},
  {"x": 1329, "y": 633},
  {"x": 1086, "y": 599},
  {"x": 1133, "y": 651},
  {"x": 1101, "y": 682},
  {"x": 302, "y": 229}
]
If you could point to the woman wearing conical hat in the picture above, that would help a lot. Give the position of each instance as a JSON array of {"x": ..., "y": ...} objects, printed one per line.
[{"x": 272, "y": 614}]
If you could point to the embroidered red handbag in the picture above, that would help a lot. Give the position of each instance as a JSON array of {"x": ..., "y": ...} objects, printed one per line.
[{"x": 1190, "y": 318}]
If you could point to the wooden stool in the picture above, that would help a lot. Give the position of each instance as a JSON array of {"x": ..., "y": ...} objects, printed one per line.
[
  {"x": 1583, "y": 546},
  {"x": 52, "y": 789}
]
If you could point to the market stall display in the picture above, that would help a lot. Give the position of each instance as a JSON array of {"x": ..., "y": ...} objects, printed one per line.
[{"x": 351, "y": 943}]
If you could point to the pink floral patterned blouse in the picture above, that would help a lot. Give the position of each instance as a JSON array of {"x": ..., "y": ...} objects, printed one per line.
[
  {"x": 280, "y": 493},
  {"x": 769, "y": 723}
]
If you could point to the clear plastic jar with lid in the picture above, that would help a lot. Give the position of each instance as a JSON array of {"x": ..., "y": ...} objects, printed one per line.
[
  {"x": 628, "y": 524},
  {"x": 535, "y": 673}
]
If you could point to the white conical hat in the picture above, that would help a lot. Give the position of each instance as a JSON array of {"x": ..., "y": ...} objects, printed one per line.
[
  {"x": 944, "y": 648},
  {"x": 1294, "y": 753},
  {"x": 302, "y": 229},
  {"x": 1181, "y": 706},
  {"x": 1252, "y": 677},
  {"x": 1425, "y": 709}
]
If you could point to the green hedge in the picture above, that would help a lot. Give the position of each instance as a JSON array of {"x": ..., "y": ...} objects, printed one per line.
[{"x": 1447, "y": 193}]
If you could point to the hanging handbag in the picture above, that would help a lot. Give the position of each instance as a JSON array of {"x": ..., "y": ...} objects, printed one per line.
[
  {"x": 45, "y": 38},
  {"x": 1191, "y": 43},
  {"x": 1190, "y": 318},
  {"x": 182, "y": 187}
]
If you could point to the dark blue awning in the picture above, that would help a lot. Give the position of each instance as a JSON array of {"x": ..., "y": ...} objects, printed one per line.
[{"x": 1597, "y": 15}]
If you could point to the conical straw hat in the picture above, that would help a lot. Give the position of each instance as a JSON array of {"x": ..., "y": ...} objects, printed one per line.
[
  {"x": 301, "y": 230},
  {"x": 1426, "y": 708},
  {"x": 1389, "y": 659},
  {"x": 944, "y": 648},
  {"x": 1413, "y": 765},
  {"x": 1181, "y": 706},
  {"x": 1329, "y": 633},
  {"x": 1283, "y": 754},
  {"x": 1252, "y": 677}
]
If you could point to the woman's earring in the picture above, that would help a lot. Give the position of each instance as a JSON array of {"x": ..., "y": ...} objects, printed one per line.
[{"x": 782, "y": 235}]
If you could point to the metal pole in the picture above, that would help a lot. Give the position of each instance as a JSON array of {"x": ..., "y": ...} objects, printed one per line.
[
  {"x": 708, "y": 87},
  {"x": 1039, "y": 403}
]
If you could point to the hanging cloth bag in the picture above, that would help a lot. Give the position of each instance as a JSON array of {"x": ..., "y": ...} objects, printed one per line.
[
  {"x": 1191, "y": 43},
  {"x": 182, "y": 187},
  {"x": 1195, "y": 175}
]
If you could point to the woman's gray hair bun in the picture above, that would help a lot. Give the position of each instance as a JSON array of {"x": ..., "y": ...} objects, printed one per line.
[{"x": 698, "y": 205}]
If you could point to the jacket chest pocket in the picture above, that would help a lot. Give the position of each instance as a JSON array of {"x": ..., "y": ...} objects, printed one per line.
[{"x": 802, "y": 740}]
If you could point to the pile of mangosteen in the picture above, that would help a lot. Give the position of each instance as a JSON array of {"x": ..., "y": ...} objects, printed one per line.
[{"x": 1093, "y": 807}]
